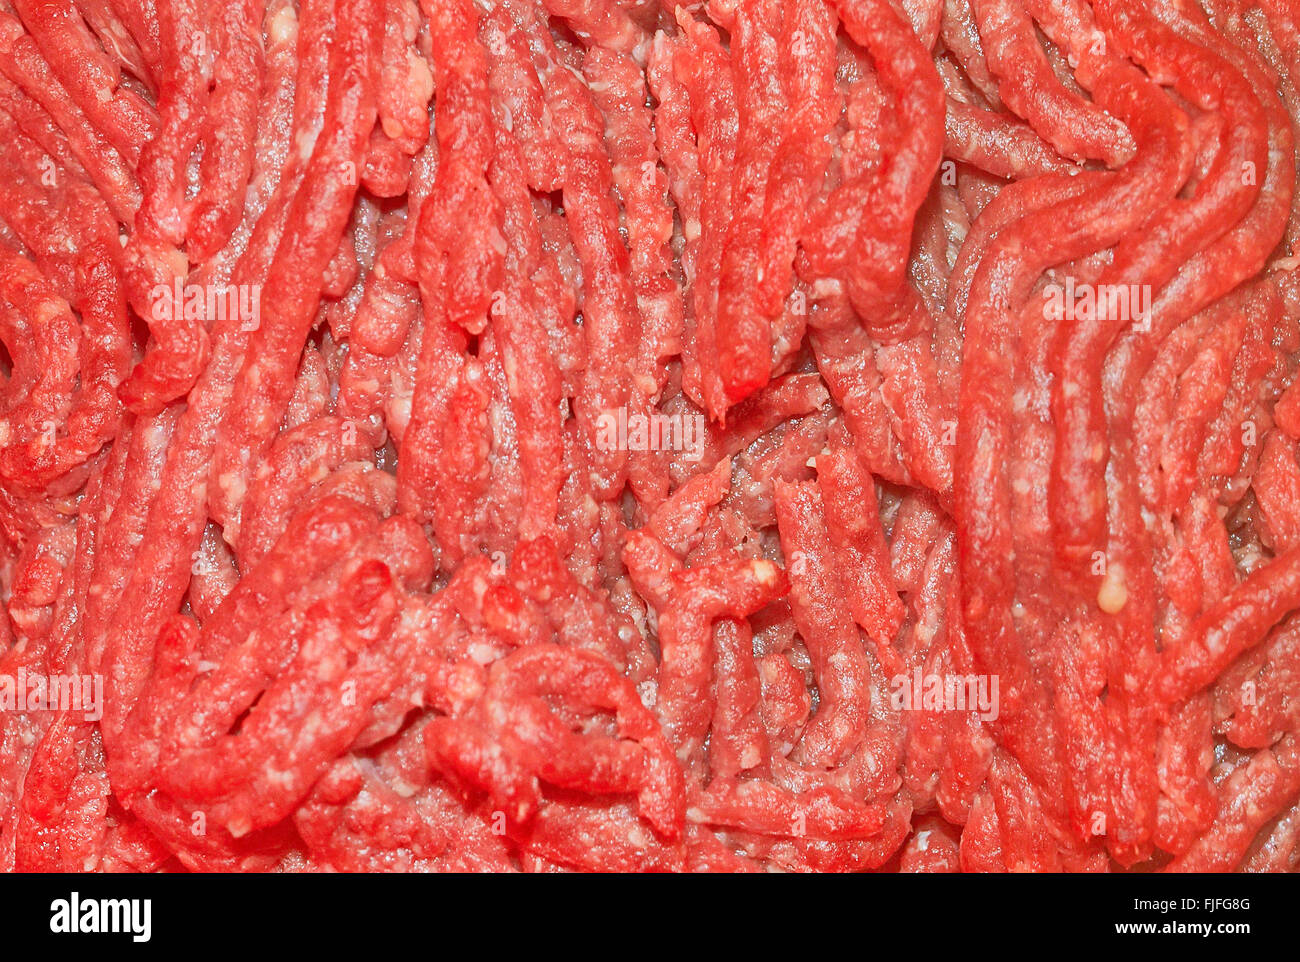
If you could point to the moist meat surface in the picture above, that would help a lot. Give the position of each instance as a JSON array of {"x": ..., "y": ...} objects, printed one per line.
[{"x": 807, "y": 435}]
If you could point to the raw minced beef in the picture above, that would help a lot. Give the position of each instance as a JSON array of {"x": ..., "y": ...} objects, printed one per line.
[{"x": 809, "y": 435}]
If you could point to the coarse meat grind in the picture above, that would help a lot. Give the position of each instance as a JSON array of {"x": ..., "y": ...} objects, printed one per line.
[{"x": 805, "y": 435}]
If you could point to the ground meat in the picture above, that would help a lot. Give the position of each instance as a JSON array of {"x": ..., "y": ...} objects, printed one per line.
[{"x": 802, "y": 435}]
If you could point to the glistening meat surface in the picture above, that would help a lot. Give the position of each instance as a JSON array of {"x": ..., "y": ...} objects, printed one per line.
[{"x": 809, "y": 435}]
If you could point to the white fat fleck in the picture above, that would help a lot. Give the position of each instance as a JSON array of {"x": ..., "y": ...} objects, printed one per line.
[
  {"x": 284, "y": 26},
  {"x": 281, "y": 778},
  {"x": 1215, "y": 640},
  {"x": 233, "y": 484},
  {"x": 648, "y": 692},
  {"x": 765, "y": 573},
  {"x": 1112, "y": 596},
  {"x": 481, "y": 653},
  {"x": 827, "y": 287}
]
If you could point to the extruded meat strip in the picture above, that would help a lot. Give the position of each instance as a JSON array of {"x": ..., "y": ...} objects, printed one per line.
[
  {"x": 394, "y": 817},
  {"x": 703, "y": 68},
  {"x": 1009, "y": 205},
  {"x": 846, "y": 362},
  {"x": 982, "y": 496},
  {"x": 50, "y": 213},
  {"x": 1233, "y": 625},
  {"x": 997, "y": 144},
  {"x": 125, "y": 118},
  {"x": 180, "y": 347},
  {"x": 103, "y": 164},
  {"x": 275, "y": 167},
  {"x": 743, "y": 328},
  {"x": 699, "y": 597},
  {"x": 239, "y": 795},
  {"x": 590, "y": 764},
  {"x": 316, "y": 220},
  {"x": 1277, "y": 486},
  {"x": 104, "y": 355},
  {"x": 182, "y": 99},
  {"x": 407, "y": 83},
  {"x": 1277, "y": 852},
  {"x": 1249, "y": 798},
  {"x": 1078, "y": 129},
  {"x": 533, "y": 377},
  {"x": 37, "y": 124},
  {"x": 175, "y": 524},
  {"x": 827, "y": 628},
  {"x": 1215, "y": 270},
  {"x": 458, "y": 243},
  {"x": 677, "y": 521},
  {"x": 960, "y": 35},
  {"x": 620, "y": 92},
  {"x": 1262, "y": 227},
  {"x": 611, "y": 323},
  {"x": 603, "y": 23},
  {"x": 230, "y": 127},
  {"x": 230, "y": 647},
  {"x": 880, "y": 205},
  {"x": 1131, "y": 359},
  {"x": 764, "y": 808},
  {"x": 806, "y": 60},
  {"x": 853, "y": 523}
]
